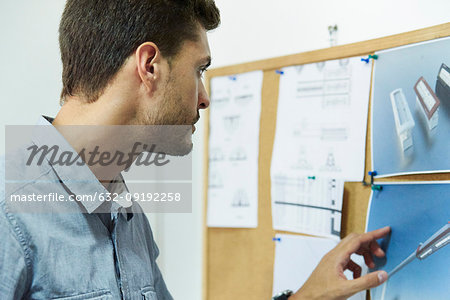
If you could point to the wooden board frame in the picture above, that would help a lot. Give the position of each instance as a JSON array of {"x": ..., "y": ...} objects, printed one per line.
[{"x": 238, "y": 262}]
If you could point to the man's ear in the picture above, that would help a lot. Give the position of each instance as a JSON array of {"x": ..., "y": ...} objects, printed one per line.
[{"x": 148, "y": 60}]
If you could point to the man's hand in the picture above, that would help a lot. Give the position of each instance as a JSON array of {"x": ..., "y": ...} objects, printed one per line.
[{"x": 328, "y": 282}]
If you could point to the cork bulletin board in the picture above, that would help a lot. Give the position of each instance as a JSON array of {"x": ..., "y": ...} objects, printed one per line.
[{"x": 238, "y": 262}]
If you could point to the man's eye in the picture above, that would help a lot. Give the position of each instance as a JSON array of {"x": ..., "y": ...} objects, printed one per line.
[{"x": 201, "y": 72}]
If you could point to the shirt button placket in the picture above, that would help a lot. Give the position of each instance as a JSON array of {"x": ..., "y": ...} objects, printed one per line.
[{"x": 116, "y": 253}]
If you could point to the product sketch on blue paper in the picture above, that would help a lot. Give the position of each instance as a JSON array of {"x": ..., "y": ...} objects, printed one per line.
[
  {"x": 411, "y": 120},
  {"x": 417, "y": 251},
  {"x": 437, "y": 241}
]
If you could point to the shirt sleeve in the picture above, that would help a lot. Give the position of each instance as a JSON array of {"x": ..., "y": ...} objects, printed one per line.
[{"x": 13, "y": 264}]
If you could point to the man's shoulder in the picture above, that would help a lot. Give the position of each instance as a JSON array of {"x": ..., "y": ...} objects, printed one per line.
[
  {"x": 10, "y": 228},
  {"x": 16, "y": 173}
]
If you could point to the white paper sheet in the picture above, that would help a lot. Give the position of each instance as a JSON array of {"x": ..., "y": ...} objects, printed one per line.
[
  {"x": 321, "y": 120},
  {"x": 306, "y": 205},
  {"x": 297, "y": 256},
  {"x": 233, "y": 150}
]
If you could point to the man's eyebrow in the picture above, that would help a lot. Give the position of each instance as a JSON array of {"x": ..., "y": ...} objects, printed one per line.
[{"x": 205, "y": 62}]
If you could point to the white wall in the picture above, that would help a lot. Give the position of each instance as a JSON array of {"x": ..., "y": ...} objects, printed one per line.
[
  {"x": 30, "y": 67},
  {"x": 251, "y": 29},
  {"x": 257, "y": 29}
]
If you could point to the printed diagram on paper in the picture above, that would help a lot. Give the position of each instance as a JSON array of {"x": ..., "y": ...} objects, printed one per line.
[
  {"x": 320, "y": 133},
  {"x": 233, "y": 150},
  {"x": 306, "y": 205},
  {"x": 322, "y": 117}
]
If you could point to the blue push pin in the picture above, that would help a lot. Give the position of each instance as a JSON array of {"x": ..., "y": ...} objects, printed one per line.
[
  {"x": 232, "y": 78},
  {"x": 372, "y": 173},
  {"x": 365, "y": 59},
  {"x": 275, "y": 239},
  {"x": 279, "y": 72}
]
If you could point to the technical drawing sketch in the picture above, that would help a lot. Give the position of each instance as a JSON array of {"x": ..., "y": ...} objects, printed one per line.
[
  {"x": 234, "y": 150},
  {"x": 308, "y": 205},
  {"x": 322, "y": 110}
]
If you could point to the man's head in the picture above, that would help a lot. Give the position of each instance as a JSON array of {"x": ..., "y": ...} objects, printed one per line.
[
  {"x": 145, "y": 57},
  {"x": 97, "y": 36}
]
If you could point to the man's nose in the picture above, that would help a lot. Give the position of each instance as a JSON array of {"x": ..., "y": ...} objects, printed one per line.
[{"x": 203, "y": 97}]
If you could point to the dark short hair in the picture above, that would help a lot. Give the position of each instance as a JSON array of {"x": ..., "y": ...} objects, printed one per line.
[{"x": 97, "y": 36}]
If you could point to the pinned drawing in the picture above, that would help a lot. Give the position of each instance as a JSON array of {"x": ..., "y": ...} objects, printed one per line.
[
  {"x": 234, "y": 150},
  {"x": 417, "y": 251},
  {"x": 321, "y": 109},
  {"x": 411, "y": 132}
]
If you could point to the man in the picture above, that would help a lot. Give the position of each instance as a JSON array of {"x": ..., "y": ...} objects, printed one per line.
[{"x": 132, "y": 63}]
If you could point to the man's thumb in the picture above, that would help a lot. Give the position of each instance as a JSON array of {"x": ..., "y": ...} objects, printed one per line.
[{"x": 367, "y": 281}]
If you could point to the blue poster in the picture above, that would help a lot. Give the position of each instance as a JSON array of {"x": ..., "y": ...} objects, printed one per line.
[
  {"x": 417, "y": 249},
  {"x": 411, "y": 109}
]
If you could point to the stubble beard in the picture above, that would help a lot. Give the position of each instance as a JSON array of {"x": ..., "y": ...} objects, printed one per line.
[{"x": 171, "y": 125}]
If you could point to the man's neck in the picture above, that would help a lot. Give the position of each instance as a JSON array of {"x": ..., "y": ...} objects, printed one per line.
[{"x": 89, "y": 129}]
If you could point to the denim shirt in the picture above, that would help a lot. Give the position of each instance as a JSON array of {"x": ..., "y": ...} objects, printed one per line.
[{"x": 81, "y": 255}]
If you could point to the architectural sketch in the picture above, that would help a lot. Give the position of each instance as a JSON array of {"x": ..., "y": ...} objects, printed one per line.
[
  {"x": 233, "y": 151},
  {"x": 321, "y": 108}
]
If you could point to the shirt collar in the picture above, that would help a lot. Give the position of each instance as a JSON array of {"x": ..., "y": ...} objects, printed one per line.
[{"x": 79, "y": 179}]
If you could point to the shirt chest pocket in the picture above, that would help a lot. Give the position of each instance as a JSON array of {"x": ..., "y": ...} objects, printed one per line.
[
  {"x": 100, "y": 295},
  {"x": 148, "y": 293}
]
